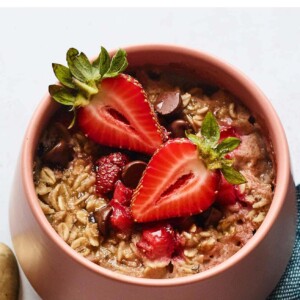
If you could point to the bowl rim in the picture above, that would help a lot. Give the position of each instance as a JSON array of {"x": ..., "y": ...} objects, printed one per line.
[{"x": 282, "y": 177}]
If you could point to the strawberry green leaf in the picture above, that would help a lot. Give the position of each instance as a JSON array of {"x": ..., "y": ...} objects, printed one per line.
[
  {"x": 63, "y": 74},
  {"x": 81, "y": 79},
  {"x": 228, "y": 145},
  {"x": 62, "y": 95},
  {"x": 72, "y": 54},
  {"x": 105, "y": 61},
  {"x": 193, "y": 138},
  {"x": 118, "y": 64},
  {"x": 210, "y": 129},
  {"x": 232, "y": 176},
  {"x": 83, "y": 65}
]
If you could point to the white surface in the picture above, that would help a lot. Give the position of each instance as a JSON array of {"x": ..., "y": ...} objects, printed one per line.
[{"x": 264, "y": 43}]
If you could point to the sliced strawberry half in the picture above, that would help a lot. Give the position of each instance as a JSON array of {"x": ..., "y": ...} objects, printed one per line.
[
  {"x": 120, "y": 116},
  {"x": 176, "y": 183},
  {"x": 112, "y": 107}
]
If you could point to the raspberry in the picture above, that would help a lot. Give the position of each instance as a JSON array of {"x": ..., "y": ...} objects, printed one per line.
[
  {"x": 108, "y": 171},
  {"x": 158, "y": 242},
  {"x": 122, "y": 193}
]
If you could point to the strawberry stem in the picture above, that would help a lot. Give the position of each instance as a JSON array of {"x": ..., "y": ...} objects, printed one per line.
[
  {"x": 80, "y": 80},
  {"x": 213, "y": 153}
]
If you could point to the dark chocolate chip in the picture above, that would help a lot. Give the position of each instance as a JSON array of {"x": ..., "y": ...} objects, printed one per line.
[
  {"x": 178, "y": 128},
  {"x": 132, "y": 173},
  {"x": 251, "y": 120},
  {"x": 168, "y": 103},
  {"x": 154, "y": 75},
  {"x": 102, "y": 217},
  {"x": 59, "y": 155},
  {"x": 213, "y": 217},
  {"x": 62, "y": 132}
]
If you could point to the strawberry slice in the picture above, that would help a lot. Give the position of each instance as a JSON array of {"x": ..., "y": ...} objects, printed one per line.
[
  {"x": 176, "y": 183},
  {"x": 182, "y": 178},
  {"x": 120, "y": 116},
  {"x": 112, "y": 107}
]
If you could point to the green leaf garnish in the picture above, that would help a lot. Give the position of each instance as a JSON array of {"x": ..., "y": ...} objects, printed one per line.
[
  {"x": 105, "y": 61},
  {"x": 81, "y": 79},
  {"x": 228, "y": 145},
  {"x": 233, "y": 176},
  {"x": 118, "y": 64},
  {"x": 210, "y": 129},
  {"x": 213, "y": 153},
  {"x": 62, "y": 95},
  {"x": 64, "y": 75}
]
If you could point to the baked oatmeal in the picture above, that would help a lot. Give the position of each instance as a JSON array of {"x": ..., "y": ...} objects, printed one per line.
[{"x": 167, "y": 193}]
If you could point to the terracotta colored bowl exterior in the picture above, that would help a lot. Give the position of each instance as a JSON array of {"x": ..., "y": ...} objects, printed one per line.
[{"x": 58, "y": 272}]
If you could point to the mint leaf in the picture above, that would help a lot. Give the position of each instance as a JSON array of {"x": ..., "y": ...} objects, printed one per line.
[
  {"x": 63, "y": 74},
  {"x": 117, "y": 65},
  {"x": 62, "y": 95},
  {"x": 104, "y": 61},
  {"x": 210, "y": 129},
  {"x": 232, "y": 176},
  {"x": 228, "y": 145}
]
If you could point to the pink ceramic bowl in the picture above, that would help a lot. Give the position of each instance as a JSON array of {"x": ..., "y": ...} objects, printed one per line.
[{"x": 58, "y": 272}]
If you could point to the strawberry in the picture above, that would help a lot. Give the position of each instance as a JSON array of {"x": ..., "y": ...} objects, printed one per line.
[
  {"x": 120, "y": 219},
  {"x": 122, "y": 193},
  {"x": 108, "y": 171},
  {"x": 227, "y": 193},
  {"x": 158, "y": 242},
  {"x": 112, "y": 107},
  {"x": 182, "y": 178},
  {"x": 227, "y": 131}
]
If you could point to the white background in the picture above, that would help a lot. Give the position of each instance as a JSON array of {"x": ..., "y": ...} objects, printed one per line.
[{"x": 263, "y": 43}]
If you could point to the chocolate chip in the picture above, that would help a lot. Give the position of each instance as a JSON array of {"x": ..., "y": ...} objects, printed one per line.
[
  {"x": 59, "y": 155},
  {"x": 102, "y": 217},
  {"x": 178, "y": 128},
  {"x": 251, "y": 120},
  {"x": 213, "y": 217},
  {"x": 132, "y": 173},
  {"x": 55, "y": 148},
  {"x": 168, "y": 103}
]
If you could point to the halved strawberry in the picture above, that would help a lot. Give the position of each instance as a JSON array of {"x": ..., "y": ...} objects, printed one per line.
[
  {"x": 176, "y": 183},
  {"x": 120, "y": 116},
  {"x": 112, "y": 107},
  {"x": 181, "y": 178}
]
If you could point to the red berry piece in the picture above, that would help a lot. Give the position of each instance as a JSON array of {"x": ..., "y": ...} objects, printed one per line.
[
  {"x": 108, "y": 171},
  {"x": 228, "y": 193},
  {"x": 158, "y": 242},
  {"x": 121, "y": 219},
  {"x": 122, "y": 193}
]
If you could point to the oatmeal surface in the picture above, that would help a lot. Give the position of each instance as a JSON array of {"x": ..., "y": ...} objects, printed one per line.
[{"x": 68, "y": 197}]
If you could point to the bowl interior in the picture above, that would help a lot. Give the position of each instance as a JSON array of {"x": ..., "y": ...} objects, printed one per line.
[{"x": 209, "y": 69}]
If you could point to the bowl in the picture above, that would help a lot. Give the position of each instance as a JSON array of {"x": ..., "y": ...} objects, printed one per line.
[{"x": 57, "y": 272}]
